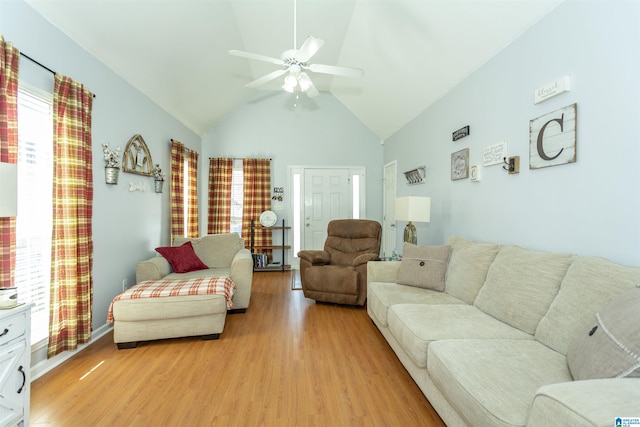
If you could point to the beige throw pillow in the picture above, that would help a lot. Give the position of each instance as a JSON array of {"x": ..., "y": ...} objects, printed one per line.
[
  {"x": 610, "y": 346},
  {"x": 424, "y": 266}
]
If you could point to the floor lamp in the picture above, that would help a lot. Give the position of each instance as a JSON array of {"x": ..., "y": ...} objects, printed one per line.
[{"x": 413, "y": 208}]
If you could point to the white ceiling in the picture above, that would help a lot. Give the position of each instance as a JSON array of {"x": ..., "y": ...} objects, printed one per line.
[{"x": 176, "y": 51}]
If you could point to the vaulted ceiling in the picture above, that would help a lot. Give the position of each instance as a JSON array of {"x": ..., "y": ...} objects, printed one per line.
[{"x": 176, "y": 51}]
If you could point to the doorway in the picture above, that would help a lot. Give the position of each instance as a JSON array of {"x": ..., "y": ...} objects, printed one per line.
[
  {"x": 320, "y": 194},
  {"x": 389, "y": 202}
]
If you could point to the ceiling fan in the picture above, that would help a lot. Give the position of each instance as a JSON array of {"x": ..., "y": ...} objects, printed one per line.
[{"x": 295, "y": 63}]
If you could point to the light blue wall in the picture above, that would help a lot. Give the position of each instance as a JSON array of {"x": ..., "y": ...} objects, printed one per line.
[
  {"x": 591, "y": 207},
  {"x": 127, "y": 226},
  {"x": 317, "y": 132}
]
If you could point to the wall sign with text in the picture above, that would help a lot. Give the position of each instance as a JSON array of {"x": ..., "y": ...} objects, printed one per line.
[{"x": 552, "y": 138}]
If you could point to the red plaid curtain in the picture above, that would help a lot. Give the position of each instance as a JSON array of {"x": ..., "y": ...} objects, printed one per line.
[
  {"x": 9, "y": 61},
  {"x": 178, "y": 155},
  {"x": 72, "y": 240},
  {"x": 257, "y": 197},
  {"x": 192, "y": 208},
  {"x": 177, "y": 199},
  {"x": 220, "y": 175}
]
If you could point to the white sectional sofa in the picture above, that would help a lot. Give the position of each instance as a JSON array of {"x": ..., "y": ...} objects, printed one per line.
[{"x": 502, "y": 343}]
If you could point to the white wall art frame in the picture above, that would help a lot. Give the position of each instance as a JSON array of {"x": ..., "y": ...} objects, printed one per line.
[{"x": 552, "y": 138}]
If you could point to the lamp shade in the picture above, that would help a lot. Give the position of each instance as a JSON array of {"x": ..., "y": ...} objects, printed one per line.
[
  {"x": 413, "y": 208},
  {"x": 8, "y": 189}
]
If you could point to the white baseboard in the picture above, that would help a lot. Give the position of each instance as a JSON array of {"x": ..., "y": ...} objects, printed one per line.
[{"x": 44, "y": 366}]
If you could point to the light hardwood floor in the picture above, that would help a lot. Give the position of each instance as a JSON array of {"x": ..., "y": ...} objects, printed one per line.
[{"x": 287, "y": 361}]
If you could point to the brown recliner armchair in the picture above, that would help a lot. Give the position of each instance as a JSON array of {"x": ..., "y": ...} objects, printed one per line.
[{"x": 338, "y": 274}]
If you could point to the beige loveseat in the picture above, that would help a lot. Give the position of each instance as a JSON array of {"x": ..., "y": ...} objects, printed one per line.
[
  {"x": 224, "y": 254},
  {"x": 500, "y": 346}
]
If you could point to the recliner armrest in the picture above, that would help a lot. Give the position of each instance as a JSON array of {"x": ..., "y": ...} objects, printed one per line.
[
  {"x": 315, "y": 257},
  {"x": 365, "y": 258}
]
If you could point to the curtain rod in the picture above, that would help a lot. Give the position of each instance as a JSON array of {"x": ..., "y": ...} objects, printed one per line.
[{"x": 24, "y": 55}]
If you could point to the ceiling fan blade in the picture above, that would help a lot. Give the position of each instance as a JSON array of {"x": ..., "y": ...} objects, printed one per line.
[
  {"x": 256, "y": 57},
  {"x": 337, "y": 71},
  {"x": 309, "y": 48},
  {"x": 264, "y": 79}
]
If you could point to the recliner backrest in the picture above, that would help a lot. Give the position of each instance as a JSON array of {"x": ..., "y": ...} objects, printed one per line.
[{"x": 348, "y": 238}]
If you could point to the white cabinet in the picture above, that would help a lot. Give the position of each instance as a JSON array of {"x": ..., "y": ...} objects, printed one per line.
[{"x": 15, "y": 360}]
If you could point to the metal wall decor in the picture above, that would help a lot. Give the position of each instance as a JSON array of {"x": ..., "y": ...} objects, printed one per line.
[
  {"x": 416, "y": 176},
  {"x": 137, "y": 158}
]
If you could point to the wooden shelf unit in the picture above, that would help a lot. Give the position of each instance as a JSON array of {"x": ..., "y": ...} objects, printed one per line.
[{"x": 255, "y": 249}]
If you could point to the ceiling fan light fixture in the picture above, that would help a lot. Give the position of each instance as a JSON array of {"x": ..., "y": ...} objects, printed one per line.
[
  {"x": 290, "y": 83},
  {"x": 304, "y": 81}
]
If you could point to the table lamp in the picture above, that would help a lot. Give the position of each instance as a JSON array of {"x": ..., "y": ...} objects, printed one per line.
[
  {"x": 413, "y": 208},
  {"x": 8, "y": 189}
]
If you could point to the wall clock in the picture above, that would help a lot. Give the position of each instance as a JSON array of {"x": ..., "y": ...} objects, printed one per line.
[{"x": 268, "y": 218}]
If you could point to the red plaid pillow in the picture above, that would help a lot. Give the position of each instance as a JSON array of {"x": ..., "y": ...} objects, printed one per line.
[{"x": 182, "y": 258}]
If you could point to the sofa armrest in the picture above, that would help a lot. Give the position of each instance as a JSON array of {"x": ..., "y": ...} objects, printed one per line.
[
  {"x": 364, "y": 258},
  {"x": 589, "y": 402},
  {"x": 152, "y": 269},
  {"x": 382, "y": 271},
  {"x": 241, "y": 272},
  {"x": 315, "y": 257}
]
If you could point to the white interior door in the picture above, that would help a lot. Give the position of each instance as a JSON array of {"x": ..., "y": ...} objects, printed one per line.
[
  {"x": 389, "y": 218},
  {"x": 327, "y": 196}
]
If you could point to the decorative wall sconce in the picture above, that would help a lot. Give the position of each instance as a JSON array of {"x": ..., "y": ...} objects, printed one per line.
[{"x": 416, "y": 176}]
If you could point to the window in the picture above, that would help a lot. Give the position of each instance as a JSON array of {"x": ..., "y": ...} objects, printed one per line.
[
  {"x": 237, "y": 197},
  {"x": 34, "y": 220},
  {"x": 185, "y": 197}
]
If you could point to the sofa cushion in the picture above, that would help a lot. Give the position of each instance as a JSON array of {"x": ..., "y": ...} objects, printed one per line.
[
  {"x": 493, "y": 382},
  {"x": 182, "y": 258},
  {"x": 424, "y": 266},
  {"x": 589, "y": 285},
  {"x": 382, "y": 295},
  {"x": 215, "y": 250},
  {"x": 415, "y": 326},
  {"x": 610, "y": 346},
  {"x": 584, "y": 403},
  {"x": 468, "y": 267},
  {"x": 521, "y": 284}
]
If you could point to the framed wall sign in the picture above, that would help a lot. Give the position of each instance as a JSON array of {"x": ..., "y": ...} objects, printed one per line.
[
  {"x": 461, "y": 133},
  {"x": 494, "y": 154},
  {"x": 552, "y": 138},
  {"x": 460, "y": 164}
]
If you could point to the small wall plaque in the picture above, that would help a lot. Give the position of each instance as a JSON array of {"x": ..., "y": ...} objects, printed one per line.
[{"x": 461, "y": 133}]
